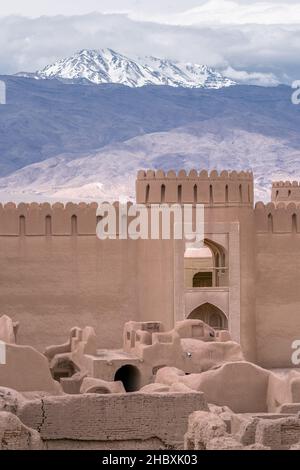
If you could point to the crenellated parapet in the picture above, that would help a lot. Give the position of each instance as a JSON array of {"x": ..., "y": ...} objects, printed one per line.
[
  {"x": 58, "y": 219},
  {"x": 214, "y": 189},
  {"x": 285, "y": 191},
  {"x": 277, "y": 218},
  {"x": 45, "y": 219},
  {"x": 157, "y": 187}
]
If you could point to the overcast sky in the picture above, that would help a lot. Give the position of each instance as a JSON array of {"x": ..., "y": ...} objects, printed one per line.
[
  {"x": 252, "y": 40},
  {"x": 167, "y": 11}
]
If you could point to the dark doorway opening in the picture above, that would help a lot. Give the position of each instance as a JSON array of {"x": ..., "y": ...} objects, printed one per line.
[
  {"x": 203, "y": 280},
  {"x": 130, "y": 376}
]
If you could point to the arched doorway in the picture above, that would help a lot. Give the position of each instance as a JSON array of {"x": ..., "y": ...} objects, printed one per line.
[
  {"x": 205, "y": 266},
  {"x": 130, "y": 376},
  {"x": 211, "y": 315}
]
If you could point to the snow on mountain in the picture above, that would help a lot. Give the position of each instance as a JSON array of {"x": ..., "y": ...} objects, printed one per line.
[
  {"x": 188, "y": 75},
  {"x": 108, "y": 66},
  {"x": 103, "y": 66}
]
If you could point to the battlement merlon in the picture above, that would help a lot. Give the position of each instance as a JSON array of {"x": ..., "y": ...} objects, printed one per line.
[
  {"x": 212, "y": 189},
  {"x": 285, "y": 191}
]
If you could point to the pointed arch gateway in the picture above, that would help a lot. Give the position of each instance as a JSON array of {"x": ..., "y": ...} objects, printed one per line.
[
  {"x": 206, "y": 266},
  {"x": 211, "y": 315}
]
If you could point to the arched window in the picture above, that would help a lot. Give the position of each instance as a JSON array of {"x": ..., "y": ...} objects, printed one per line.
[
  {"x": 241, "y": 193},
  {"x": 294, "y": 223},
  {"x": 48, "y": 223},
  {"x": 163, "y": 193},
  {"x": 211, "y": 195},
  {"x": 147, "y": 193},
  {"x": 22, "y": 225},
  {"x": 205, "y": 266},
  {"x": 74, "y": 228},
  {"x": 179, "y": 194},
  {"x": 195, "y": 194},
  {"x": 270, "y": 223}
]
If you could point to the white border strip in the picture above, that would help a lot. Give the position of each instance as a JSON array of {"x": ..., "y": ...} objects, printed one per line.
[
  {"x": 2, "y": 92},
  {"x": 2, "y": 353}
]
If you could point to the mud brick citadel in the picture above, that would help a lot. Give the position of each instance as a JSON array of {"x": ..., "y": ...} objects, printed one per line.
[
  {"x": 204, "y": 337},
  {"x": 55, "y": 273}
]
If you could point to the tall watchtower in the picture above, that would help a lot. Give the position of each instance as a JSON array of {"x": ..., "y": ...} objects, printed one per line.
[
  {"x": 211, "y": 189},
  {"x": 225, "y": 287},
  {"x": 286, "y": 192}
]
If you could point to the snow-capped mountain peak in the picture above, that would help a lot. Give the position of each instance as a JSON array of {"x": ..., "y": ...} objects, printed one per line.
[
  {"x": 187, "y": 74},
  {"x": 100, "y": 66},
  {"x": 109, "y": 66}
]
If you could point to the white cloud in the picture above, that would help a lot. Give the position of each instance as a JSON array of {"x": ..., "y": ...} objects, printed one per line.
[
  {"x": 265, "y": 50},
  {"x": 231, "y": 12},
  {"x": 183, "y": 12},
  {"x": 34, "y": 8},
  {"x": 251, "y": 78}
]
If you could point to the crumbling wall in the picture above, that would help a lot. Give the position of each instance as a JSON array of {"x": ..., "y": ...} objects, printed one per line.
[
  {"x": 192, "y": 346},
  {"x": 112, "y": 418},
  {"x": 241, "y": 386},
  {"x": 25, "y": 369},
  {"x": 210, "y": 431},
  {"x": 15, "y": 436}
]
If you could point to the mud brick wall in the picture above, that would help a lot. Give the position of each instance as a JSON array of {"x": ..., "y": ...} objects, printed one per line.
[{"x": 124, "y": 417}]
